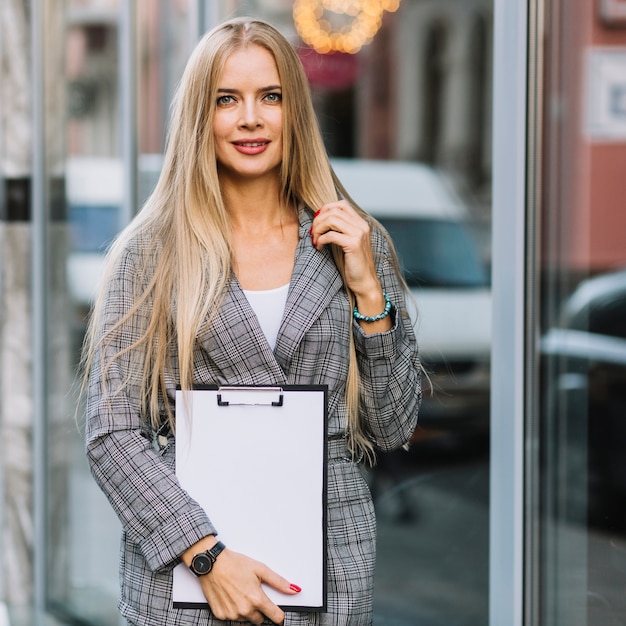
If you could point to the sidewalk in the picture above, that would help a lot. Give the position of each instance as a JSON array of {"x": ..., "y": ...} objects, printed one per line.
[{"x": 25, "y": 617}]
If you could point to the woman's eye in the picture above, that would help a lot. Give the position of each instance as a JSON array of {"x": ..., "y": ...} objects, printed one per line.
[
  {"x": 224, "y": 100},
  {"x": 274, "y": 97}
]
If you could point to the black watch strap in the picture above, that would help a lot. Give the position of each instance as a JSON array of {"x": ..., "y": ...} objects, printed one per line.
[{"x": 202, "y": 563}]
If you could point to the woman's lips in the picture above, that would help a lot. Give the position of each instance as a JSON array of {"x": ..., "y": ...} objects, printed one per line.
[{"x": 251, "y": 147}]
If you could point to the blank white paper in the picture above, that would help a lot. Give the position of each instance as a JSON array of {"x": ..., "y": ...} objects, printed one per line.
[{"x": 259, "y": 471}]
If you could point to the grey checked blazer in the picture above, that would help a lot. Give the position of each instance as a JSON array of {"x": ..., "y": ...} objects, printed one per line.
[{"x": 158, "y": 517}]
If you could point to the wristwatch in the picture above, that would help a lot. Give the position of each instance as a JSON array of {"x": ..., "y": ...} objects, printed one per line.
[{"x": 202, "y": 563}]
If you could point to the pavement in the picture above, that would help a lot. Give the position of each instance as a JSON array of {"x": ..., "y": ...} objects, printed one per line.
[{"x": 433, "y": 540}]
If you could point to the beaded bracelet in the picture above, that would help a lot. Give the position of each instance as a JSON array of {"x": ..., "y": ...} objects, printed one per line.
[{"x": 375, "y": 318}]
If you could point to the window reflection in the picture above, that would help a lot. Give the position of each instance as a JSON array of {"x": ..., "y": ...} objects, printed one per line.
[
  {"x": 582, "y": 430},
  {"x": 83, "y": 530},
  {"x": 398, "y": 103},
  {"x": 585, "y": 373},
  {"x": 436, "y": 253},
  {"x": 424, "y": 93}
]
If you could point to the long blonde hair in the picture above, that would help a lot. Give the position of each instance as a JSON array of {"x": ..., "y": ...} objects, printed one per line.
[{"x": 187, "y": 216}]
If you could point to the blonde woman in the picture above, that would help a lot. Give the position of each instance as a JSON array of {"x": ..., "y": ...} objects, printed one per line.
[{"x": 247, "y": 266}]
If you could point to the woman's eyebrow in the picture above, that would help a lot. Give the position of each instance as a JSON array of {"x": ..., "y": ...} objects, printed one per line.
[{"x": 261, "y": 89}]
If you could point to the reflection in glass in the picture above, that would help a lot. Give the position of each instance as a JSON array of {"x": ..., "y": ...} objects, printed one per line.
[
  {"x": 585, "y": 403},
  {"x": 422, "y": 104},
  {"x": 82, "y": 528},
  {"x": 432, "y": 502},
  {"x": 582, "y": 340},
  {"x": 436, "y": 253}
]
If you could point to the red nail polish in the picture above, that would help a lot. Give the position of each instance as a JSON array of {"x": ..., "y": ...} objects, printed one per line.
[
  {"x": 311, "y": 231},
  {"x": 295, "y": 588},
  {"x": 317, "y": 213}
]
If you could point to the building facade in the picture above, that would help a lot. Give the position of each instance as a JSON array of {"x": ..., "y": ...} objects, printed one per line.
[{"x": 520, "y": 107}]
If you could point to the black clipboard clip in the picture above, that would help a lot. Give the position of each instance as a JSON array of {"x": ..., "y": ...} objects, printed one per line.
[{"x": 257, "y": 396}]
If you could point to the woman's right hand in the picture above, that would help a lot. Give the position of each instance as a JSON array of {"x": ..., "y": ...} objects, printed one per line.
[{"x": 234, "y": 592}]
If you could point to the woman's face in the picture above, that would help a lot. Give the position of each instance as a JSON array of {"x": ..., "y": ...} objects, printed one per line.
[{"x": 248, "y": 115}]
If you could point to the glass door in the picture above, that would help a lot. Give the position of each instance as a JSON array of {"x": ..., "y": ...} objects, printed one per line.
[
  {"x": 414, "y": 102},
  {"x": 581, "y": 318}
]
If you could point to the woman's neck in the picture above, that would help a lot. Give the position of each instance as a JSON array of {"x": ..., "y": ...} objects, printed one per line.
[
  {"x": 264, "y": 233},
  {"x": 254, "y": 201}
]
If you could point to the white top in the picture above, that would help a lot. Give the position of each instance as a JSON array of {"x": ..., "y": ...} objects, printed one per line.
[{"x": 269, "y": 306}]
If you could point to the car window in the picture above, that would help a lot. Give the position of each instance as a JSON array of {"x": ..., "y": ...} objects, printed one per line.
[{"x": 436, "y": 253}]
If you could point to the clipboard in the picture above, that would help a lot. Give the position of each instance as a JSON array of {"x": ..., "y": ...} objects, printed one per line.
[{"x": 255, "y": 458}]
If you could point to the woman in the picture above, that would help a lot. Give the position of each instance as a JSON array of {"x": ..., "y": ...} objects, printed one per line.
[{"x": 244, "y": 268}]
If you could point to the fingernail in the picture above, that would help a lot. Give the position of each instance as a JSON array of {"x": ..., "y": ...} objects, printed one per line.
[
  {"x": 317, "y": 213},
  {"x": 311, "y": 231},
  {"x": 295, "y": 588}
]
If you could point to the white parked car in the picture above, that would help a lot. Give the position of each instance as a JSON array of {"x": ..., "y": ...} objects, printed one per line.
[{"x": 448, "y": 279}]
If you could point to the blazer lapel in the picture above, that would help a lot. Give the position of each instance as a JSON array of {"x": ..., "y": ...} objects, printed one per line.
[
  {"x": 236, "y": 346},
  {"x": 314, "y": 283}
]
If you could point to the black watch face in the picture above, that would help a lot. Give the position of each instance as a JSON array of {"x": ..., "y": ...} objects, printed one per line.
[{"x": 201, "y": 564}]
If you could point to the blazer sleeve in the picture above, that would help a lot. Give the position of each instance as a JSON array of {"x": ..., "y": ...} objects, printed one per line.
[
  {"x": 156, "y": 513},
  {"x": 389, "y": 364}
]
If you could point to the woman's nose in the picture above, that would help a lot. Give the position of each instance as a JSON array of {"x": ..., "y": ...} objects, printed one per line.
[{"x": 250, "y": 116}]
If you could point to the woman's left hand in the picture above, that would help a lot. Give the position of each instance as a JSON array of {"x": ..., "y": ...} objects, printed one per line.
[{"x": 338, "y": 223}]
